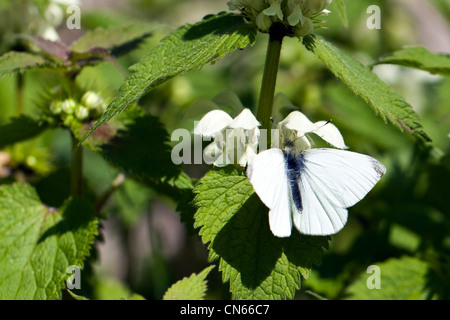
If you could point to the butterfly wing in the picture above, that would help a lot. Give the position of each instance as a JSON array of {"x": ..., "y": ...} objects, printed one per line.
[
  {"x": 331, "y": 181},
  {"x": 267, "y": 174}
]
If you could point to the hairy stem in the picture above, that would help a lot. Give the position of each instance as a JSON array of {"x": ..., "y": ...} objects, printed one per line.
[{"x": 266, "y": 97}]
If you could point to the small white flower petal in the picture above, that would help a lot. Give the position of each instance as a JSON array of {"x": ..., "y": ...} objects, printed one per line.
[
  {"x": 212, "y": 152},
  {"x": 248, "y": 156},
  {"x": 299, "y": 122},
  {"x": 330, "y": 133},
  {"x": 274, "y": 9},
  {"x": 222, "y": 161},
  {"x": 303, "y": 143},
  {"x": 245, "y": 120},
  {"x": 212, "y": 123},
  {"x": 253, "y": 137}
]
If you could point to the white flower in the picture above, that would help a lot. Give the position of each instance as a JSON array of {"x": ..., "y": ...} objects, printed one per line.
[
  {"x": 53, "y": 17},
  {"x": 93, "y": 103},
  {"x": 56, "y": 107},
  {"x": 274, "y": 9},
  {"x": 68, "y": 106},
  {"x": 212, "y": 123},
  {"x": 296, "y": 126},
  {"x": 235, "y": 140},
  {"x": 81, "y": 112}
]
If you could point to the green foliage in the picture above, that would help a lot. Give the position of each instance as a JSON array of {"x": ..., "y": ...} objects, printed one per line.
[
  {"x": 234, "y": 224},
  {"x": 342, "y": 10},
  {"x": 134, "y": 150},
  {"x": 126, "y": 177},
  {"x": 409, "y": 284},
  {"x": 386, "y": 103},
  {"x": 39, "y": 243},
  {"x": 115, "y": 39},
  {"x": 20, "y": 129},
  {"x": 12, "y": 62},
  {"x": 419, "y": 58},
  {"x": 190, "y": 47},
  {"x": 192, "y": 288}
]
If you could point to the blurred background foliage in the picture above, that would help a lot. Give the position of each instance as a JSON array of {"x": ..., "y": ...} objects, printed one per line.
[{"x": 144, "y": 247}]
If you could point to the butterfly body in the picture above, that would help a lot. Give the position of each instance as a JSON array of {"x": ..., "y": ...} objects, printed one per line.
[{"x": 295, "y": 165}]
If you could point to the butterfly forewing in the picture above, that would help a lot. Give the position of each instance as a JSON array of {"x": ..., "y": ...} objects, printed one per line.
[{"x": 331, "y": 181}]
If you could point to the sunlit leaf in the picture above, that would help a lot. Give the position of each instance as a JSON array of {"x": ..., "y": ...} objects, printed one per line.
[
  {"x": 235, "y": 225},
  {"x": 385, "y": 102},
  {"x": 39, "y": 243},
  {"x": 419, "y": 58},
  {"x": 192, "y": 288},
  {"x": 190, "y": 47},
  {"x": 400, "y": 279}
]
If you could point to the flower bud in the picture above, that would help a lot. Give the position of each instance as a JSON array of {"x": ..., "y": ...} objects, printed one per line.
[
  {"x": 68, "y": 106},
  {"x": 81, "y": 112},
  {"x": 94, "y": 103},
  {"x": 56, "y": 107}
]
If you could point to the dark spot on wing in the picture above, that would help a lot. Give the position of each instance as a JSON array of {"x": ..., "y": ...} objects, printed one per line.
[{"x": 379, "y": 168}]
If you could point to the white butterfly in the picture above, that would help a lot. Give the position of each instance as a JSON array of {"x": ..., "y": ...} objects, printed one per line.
[{"x": 311, "y": 189}]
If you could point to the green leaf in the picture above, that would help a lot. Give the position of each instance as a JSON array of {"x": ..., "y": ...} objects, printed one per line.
[
  {"x": 192, "y": 288},
  {"x": 342, "y": 10},
  {"x": 385, "y": 102},
  {"x": 38, "y": 244},
  {"x": 188, "y": 48},
  {"x": 235, "y": 225},
  {"x": 400, "y": 279},
  {"x": 118, "y": 39},
  {"x": 419, "y": 58},
  {"x": 14, "y": 61},
  {"x": 141, "y": 150},
  {"x": 20, "y": 129}
]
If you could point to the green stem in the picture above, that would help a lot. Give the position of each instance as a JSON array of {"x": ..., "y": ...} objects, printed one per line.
[
  {"x": 76, "y": 176},
  {"x": 20, "y": 93},
  {"x": 269, "y": 80}
]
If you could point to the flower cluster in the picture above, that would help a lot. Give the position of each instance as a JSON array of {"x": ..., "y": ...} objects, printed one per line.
[
  {"x": 299, "y": 16},
  {"x": 91, "y": 105},
  {"x": 237, "y": 140}
]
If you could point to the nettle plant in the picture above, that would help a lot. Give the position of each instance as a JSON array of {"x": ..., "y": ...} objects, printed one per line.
[{"x": 260, "y": 255}]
